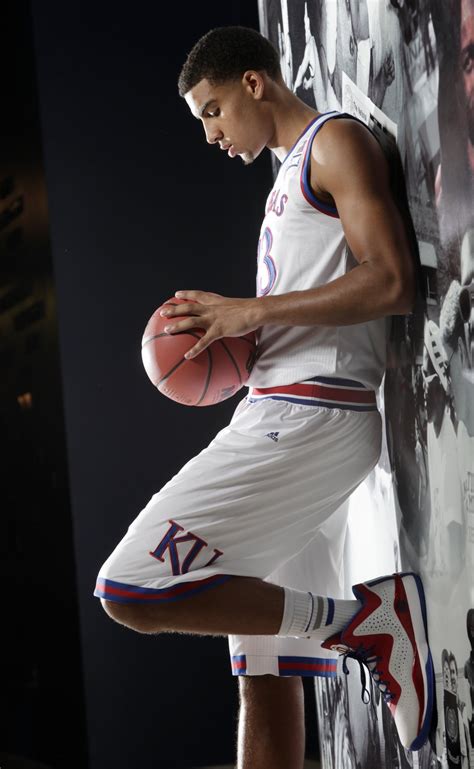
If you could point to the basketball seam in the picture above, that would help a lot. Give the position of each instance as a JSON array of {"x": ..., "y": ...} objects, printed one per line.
[
  {"x": 156, "y": 336},
  {"x": 163, "y": 333},
  {"x": 209, "y": 373},
  {"x": 171, "y": 371},
  {"x": 244, "y": 339},
  {"x": 232, "y": 359},
  {"x": 209, "y": 355},
  {"x": 209, "y": 369},
  {"x": 183, "y": 360}
]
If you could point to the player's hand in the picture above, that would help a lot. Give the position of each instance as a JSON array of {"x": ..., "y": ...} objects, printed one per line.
[{"x": 218, "y": 315}]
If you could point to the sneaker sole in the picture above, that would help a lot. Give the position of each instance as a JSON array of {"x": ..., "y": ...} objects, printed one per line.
[
  {"x": 416, "y": 601},
  {"x": 417, "y": 604}
]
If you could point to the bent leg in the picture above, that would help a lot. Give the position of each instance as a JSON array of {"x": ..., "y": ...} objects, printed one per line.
[
  {"x": 271, "y": 728},
  {"x": 242, "y": 605},
  {"x": 228, "y": 524}
]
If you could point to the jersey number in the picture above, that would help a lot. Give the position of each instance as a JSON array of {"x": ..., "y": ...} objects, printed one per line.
[{"x": 266, "y": 270}]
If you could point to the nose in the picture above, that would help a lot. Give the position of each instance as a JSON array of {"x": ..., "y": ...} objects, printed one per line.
[{"x": 213, "y": 134}]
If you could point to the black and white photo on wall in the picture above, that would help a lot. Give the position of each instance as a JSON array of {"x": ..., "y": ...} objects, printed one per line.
[{"x": 407, "y": 66}]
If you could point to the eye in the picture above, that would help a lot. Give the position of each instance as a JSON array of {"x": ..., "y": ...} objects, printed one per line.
[{"x": 215, "y": 112}]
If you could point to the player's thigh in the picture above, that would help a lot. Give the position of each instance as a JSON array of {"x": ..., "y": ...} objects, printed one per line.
[{"x": 247, "y": 503}]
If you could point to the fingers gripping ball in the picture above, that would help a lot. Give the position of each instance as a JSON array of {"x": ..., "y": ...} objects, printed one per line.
[{"x": 215, "y": 374}]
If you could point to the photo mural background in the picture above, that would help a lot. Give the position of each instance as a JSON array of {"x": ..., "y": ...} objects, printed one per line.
[{"x": 406, "y": 67}]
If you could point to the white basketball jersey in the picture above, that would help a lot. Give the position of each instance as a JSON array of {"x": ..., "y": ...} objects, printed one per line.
[{"x": 302, "y": 245}]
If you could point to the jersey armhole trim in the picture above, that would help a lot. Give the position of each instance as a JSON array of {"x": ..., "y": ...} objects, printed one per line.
[
  {"x": 305, "y": 130},
  {"x": 310, "y": 197}
]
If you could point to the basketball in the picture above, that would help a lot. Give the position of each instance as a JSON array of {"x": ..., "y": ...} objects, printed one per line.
[{"x": 214, "y": 375}]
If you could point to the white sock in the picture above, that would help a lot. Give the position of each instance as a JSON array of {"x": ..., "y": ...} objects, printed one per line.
[{"x": 306, "y": 614}]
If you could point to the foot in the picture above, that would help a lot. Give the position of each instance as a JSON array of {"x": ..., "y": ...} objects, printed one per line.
[{"x": 389, "y": 636}]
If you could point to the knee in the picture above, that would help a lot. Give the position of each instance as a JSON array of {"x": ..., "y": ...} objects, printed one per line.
[
  {"x": 120, "y": 612},
  {"x": 134, "y": 616}
]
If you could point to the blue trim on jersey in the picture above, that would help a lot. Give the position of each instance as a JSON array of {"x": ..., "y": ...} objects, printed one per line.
[
  {"x": 337, "y": 381},
  {"x": 314, "y": 402},
  {"x": 330, "y": 616},
  {"x": 325, "y": 207},
  {"x": 325, "y": 667},
  {"x": 305, "y": 176},
  {"x": 309, "y": 673},
  {"x": 321, "y": 667},
  {"x": 239, "y": 669},
  {"x": 121, "y": 592},
  {"x": 303, "y": 133},
  {"x": 331, "y": 661}
]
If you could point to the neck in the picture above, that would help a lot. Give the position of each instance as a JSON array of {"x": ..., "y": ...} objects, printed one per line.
[{"x": 290, "y": 118}]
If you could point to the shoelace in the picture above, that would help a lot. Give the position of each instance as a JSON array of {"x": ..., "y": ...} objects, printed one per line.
[{"x": 366, "y": 658}]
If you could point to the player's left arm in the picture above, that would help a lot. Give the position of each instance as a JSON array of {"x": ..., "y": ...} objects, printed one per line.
[{"x": 348, "y": 162}]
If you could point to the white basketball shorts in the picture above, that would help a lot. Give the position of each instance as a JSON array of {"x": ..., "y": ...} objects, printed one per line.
[{"x": 265, "y": 499}]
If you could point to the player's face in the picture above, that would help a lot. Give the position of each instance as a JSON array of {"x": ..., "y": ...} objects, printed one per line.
[{"x": 233, "y": 115}]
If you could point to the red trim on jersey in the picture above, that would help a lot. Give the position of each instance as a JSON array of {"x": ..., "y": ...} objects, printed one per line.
[
  {"x": 154, "y": 594},
  {"x": 323, "y": 392}
]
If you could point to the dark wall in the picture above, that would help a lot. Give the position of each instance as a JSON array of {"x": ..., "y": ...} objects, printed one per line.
[
  {"x": 41, "y": 694},
  {"x": 140, "y": 206}
]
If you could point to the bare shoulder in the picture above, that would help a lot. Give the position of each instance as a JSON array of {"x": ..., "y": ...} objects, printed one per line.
[{"x": 346, "y": 152}]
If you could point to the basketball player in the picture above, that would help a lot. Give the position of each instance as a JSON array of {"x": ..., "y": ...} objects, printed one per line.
[{"x": 222, "y": 547}]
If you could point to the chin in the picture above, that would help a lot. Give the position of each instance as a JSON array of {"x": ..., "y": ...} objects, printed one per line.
[{"x": 247, "y": 158}]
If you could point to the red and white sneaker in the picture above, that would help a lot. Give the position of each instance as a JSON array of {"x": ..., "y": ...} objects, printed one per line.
[{"x": 389, "y": 636}]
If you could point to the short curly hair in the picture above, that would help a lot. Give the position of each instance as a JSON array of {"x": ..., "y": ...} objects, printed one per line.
[{"x": 225, "y": 53}]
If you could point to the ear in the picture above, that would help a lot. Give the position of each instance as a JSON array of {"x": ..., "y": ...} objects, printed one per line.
[{"x": 254, "y": 83}]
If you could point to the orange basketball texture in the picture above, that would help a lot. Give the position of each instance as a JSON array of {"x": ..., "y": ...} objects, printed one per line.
[{"x": 214, "y": 375}]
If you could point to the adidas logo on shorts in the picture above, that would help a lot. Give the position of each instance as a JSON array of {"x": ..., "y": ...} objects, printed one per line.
[{"x": 273, "y": 436}]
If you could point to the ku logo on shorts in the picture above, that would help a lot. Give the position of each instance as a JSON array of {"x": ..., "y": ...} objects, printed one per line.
[{"x": 170, "y": 542}]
